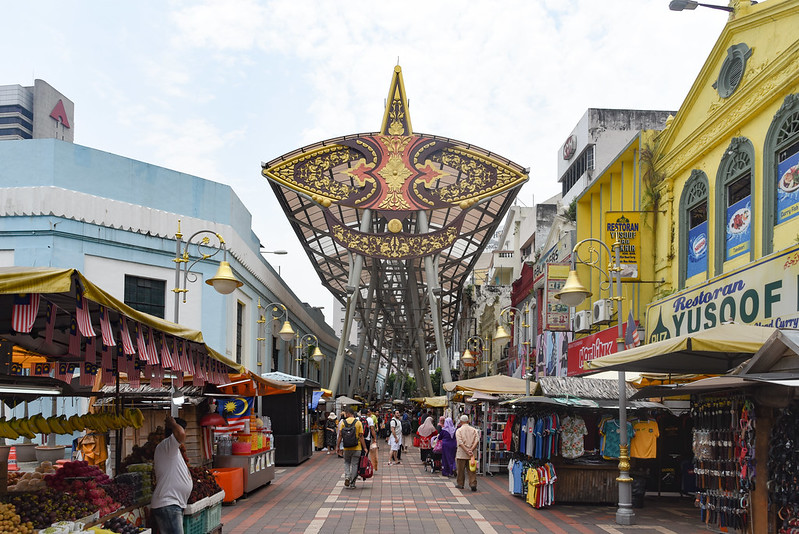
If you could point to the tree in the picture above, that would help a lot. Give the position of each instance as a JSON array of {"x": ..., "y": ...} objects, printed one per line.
[
  {"x": 410, "y": 386},
  {"x": 390, "y": 379}
]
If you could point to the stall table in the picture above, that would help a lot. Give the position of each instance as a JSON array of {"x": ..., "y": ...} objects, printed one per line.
[{"x": 259, "y": 467}]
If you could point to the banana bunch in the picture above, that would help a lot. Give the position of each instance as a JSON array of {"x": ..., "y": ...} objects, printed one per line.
[{"x": 60, "y": 424}]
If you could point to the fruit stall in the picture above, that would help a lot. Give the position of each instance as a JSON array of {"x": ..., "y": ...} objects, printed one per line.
[{"x": 85, "y": 385}]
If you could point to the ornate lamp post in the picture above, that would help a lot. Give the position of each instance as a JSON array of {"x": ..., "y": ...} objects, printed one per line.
[
  {"x": 510, "y": 313},
  {"x": 475, "y": 347},
  {"x": 572, "y": 294},
  {"x": 308, "y": 340}
]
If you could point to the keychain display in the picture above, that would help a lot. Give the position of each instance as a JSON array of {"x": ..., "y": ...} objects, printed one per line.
[
  {"x": 724, "y": 460},
  {"x": 783, "y": 465}
]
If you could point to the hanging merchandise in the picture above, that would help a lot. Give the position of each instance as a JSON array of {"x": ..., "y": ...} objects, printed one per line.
[
  {"x": 783, "y": 457},
  {"x": 644, "y": 442},
  {"x": 611, "y": 437},
  {"x": 724, "y": 459}
]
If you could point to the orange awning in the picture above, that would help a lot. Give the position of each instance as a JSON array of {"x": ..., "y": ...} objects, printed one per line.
[{"x": 252, "y": 385}]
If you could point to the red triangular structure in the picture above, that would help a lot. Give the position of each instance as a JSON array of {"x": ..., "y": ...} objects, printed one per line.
[{"x": 60, "y": 114}]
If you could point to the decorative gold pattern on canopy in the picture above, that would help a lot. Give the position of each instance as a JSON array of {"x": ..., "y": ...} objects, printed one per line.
[{"x": 463, "y": 190}]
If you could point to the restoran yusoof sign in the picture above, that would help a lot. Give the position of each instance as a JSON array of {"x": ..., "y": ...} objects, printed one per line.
[{"x": 765, "y": 293}]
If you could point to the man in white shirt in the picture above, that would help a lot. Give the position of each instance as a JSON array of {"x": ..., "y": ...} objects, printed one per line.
[
  {"x": 173, "y": 479},
  {"x": 395, "y": 437}
]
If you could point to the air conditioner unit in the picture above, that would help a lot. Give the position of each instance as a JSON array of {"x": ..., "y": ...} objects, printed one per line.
[
  {"x": 582, "y": 321},
  {"x": 603, "y": 311}
]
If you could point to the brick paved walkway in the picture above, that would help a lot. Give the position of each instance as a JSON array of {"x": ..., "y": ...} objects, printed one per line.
[{"x": 404, "y": 499}]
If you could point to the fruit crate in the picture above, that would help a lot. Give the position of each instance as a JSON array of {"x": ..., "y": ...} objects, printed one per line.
[
  {"x": 213, "y": 517},
  {"x": 194, "y": 523}
]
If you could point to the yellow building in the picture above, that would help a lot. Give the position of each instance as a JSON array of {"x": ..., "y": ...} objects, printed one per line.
[{"x": 726, "y": 182}]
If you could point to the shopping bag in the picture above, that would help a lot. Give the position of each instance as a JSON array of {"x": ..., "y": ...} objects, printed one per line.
[
  {"x": 437, "y": 445},
  {"x": 473, "y": 464},
  {"x": 416, "y": 441},
  {"x": 365, "y": 467}
]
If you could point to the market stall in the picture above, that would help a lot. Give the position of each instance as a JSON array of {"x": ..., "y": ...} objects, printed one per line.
[
  {"x": 291, "y": 419},
  {"x": 62, "y": 337}
]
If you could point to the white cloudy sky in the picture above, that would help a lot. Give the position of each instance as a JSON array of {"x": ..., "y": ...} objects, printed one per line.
[{"x": 212, "y": 88}]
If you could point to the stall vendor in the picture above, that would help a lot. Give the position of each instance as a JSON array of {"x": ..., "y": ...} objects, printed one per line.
[{"x": 173, "y": 479}]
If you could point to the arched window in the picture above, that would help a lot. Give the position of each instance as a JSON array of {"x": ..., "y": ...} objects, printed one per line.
[
  {"x": 734, "y": 215},
  {"x": 693, "y": 235},
  {"x": 781, "y": 170}
]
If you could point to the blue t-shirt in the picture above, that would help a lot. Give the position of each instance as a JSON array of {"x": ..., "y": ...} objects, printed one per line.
[
  {"x": 523, "y": 437},
  {"x": 518, "y": 485},
  {"x": 610, "y": 444},
  {"x": 539, "y": 438}
]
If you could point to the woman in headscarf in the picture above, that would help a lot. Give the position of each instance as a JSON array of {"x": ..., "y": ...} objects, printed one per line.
[
  {"x": 448, "y": 448},
  {"x": 330, "y": 432},
  {"x": 425, "y": 432}
]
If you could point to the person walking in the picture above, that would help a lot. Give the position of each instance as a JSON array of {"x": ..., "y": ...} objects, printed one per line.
[
  {"x": 339, "y": 449},
  {"x": 369, "y": 433},
  {"x": 374, "y": 448},
  {"x": 350, "y": 436},
  {"x": 331, "y": 432},
  {"x": 395, "y": 438},
  {"x": 425, "y": 433},
  {"x": 448, "y": 447},
  {"x": 468, "y": 438},
  {"x": 173, "y": 479}
]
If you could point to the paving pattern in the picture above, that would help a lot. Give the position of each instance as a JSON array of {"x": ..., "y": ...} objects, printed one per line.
[{"x": 404, "y": 499}]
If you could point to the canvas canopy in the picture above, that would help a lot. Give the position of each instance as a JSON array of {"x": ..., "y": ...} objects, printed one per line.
[
  {"x": 252, "y": 385},
  {"x": 712, "y": 351},
  {"x": 61, "y": 287},
  {"x": 493, "y": 385}
]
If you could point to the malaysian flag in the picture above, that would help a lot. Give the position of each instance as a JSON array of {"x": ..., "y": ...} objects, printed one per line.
[
  {"x": 127, "y": 344},
  {"x": 151, "y": 350},
  {"x": 179, "y": 380},
  {"x": 84, "y": 318},
  {"x": 74, "y": 339},
  {"x": 16, "y": 369},
  {"x": 166, "y": 355},
  {"x": 88, "y": 371},
  {"x": 134, "y": 374},
  {"x": 141, "y": 346},
  {"x": 631, "y": 338},
  {"x": 52, "y": 311},
  {"x": 156, "y": 380},
  {"x": 91, "y": 350},
  {"x": 148, "y": 371},
  {"x": 61, "y": 371},
  {"x": 42, "y": 369},
  {"x": 107, "y": 359},
  {"x": 105, "y": 328},
  {"x": 236, "y": 412},
  {"x": 26, "y": 307}
]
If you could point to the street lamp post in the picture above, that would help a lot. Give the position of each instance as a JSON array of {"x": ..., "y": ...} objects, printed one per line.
[
  {"x": 474, "y": 345},
  {"x": 224, "y": 282},
  {"x": 278, "y": 311},
  {"x": 308, "y": 340},
  {"x": 572, "y": 294},
  {"x": 502, "y": 335}
]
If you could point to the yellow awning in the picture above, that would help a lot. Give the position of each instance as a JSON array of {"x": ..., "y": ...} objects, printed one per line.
[
  {"x": 60, "y": 287},
  {"x": 496, "y": 385},
  {"x": 712, "y": 351}
]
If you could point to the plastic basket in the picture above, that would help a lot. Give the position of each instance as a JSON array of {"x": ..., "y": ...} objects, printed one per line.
[
  {"x": 213, "y": 516},
  {"x": 194, "y": 523}
]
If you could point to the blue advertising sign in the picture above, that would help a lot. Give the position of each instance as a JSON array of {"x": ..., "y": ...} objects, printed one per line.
[
  {"x": 697, "y": 250},
  {"x": 739, "y": 228},
  {"x": 788, "y": 188}
]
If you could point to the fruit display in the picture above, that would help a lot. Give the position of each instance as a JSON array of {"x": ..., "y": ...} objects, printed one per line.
[
  {"x": 203, "y": 484},
  {"x": 65, "y": 476},
  {"x": 11, "y": 523},
  {"x": 120, "y": 526},
  {"x": 61, "y": 424},
  {"x": 43, "y": 508}
]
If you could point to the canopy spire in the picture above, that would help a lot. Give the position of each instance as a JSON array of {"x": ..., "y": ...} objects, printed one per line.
[{"x": 396, "y": 119}]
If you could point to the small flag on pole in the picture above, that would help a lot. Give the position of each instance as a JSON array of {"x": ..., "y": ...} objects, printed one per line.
[
  {"x": 631, "y": 338},
  {"x": 84, "y": 318},
  {"x": 26, "y": 307},
  {"x": 151, "y": 350},
  {"x": 52, "y": 310},
  {"x": 166, "y": 355},
  {"x": 105, "y": 328},
  {"x": 141, "y": 346}
]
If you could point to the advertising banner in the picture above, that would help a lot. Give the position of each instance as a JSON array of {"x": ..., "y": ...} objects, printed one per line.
[
  {"x": 788, "y": 186},
  {"x": 556, "y": 316},
  {"x": 594, "y": 346},
  {"x": 739, "y": 229},
  {"x": 697, "y": 250},
  {"x": 559, "y": 253},
  {"x": 552, "y": 354},
  {"x": 764, "y": 293},
  {"x": 624, "y": 226}
]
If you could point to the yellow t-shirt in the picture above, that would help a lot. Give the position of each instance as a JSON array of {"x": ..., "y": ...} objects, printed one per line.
[
  {"x": 358, "y": 432},
  {"x": 532, "y": 486},
  {"x": 644, "y": 443}
]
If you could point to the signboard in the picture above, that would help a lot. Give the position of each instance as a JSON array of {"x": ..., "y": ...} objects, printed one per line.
[
  {"x": 559, "y": 253},
  {"x": 552, "y": 354},
  {"x": 594, "y": 346},
  {"x": 739, "y": 228},
  {"x": 765, "y": 293},
  {"x": 624, "y": 226},
  {"x": 697, "y": 250},
  {"x": 556, "y": 315},
  {"x": 788, "y": 185}
]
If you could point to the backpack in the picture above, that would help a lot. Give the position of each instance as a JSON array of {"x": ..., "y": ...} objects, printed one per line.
[
  {"x": 349, "y": 434},
  {"x": 406, "y": 428},
  {"x": 367, "y": 433}
]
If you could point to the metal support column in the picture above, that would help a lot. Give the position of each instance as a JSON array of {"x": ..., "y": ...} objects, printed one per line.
[{"x": 365, "y": 317}]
